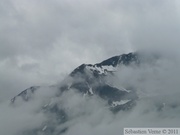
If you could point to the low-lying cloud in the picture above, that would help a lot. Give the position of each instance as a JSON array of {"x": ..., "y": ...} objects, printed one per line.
[{"x": 158, "y": 105}]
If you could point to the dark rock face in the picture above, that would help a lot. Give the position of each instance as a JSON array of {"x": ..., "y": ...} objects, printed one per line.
[
  {"x": 26, "y": 94},
  {"x": 125, "y": 59},
  {"x": 92, "y": 80}
]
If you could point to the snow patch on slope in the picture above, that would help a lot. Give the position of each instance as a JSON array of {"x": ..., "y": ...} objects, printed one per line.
[
  {"x": 122, "y": 102},
  {"x": 102, "y": 69}
]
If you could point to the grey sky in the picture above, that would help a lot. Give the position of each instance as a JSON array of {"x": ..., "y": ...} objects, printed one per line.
[{"x": 42, "y": 41}]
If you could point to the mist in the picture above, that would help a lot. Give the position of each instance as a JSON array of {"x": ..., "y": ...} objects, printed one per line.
[
  {"x": 157, "y": 85},
  {"x": 158, "y": 105},
  {"x": 42, "y": 42}
]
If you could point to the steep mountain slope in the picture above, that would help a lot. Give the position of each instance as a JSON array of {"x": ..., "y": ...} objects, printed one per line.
[{"x": 90, "y": 79}]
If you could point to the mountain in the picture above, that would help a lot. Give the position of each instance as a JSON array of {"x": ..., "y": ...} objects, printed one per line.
[{"x": 89, "y": 80}]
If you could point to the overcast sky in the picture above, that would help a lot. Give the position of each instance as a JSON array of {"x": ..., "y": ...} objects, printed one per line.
[{"x": 43, "y": 41}]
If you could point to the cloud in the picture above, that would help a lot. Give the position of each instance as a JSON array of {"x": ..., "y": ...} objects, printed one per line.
[
  {"x": 14, "y": 120},
  {"x": 20, "y": 117},
  {"x": 158, "y": 105},
  {"x": 42, "y": 42}
]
